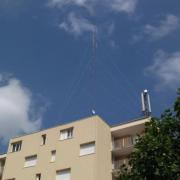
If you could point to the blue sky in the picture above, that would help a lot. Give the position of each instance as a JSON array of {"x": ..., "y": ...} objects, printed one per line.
[{"x": 47, "y": 76}]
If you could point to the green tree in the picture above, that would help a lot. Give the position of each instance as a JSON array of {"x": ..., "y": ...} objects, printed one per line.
[{"x": 157, "y": 153}]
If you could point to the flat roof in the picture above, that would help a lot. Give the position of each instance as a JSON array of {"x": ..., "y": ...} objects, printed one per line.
[
  {"x": 63, "y": 124},
  {"x": 82, "y": 119}
]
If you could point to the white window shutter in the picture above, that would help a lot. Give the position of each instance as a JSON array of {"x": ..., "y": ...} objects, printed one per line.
[
  {"x": 86, "y": 149},
  {"x": 30, "y": 161},
  {"x": 63, "y": 135},
  {"x": 63, "y": 175}
]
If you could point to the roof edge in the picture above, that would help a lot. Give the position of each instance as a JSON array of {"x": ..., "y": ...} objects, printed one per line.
[
  {"x": 130, "y": 121},
  {"x": 63, "y": 124},
  {"x": 2, "y": 156}
]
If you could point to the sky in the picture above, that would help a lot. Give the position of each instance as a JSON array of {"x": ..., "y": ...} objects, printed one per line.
[{"x": 50, "y": 73}]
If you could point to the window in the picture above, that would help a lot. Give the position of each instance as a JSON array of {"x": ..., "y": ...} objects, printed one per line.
[
  {"x": 128, "y": 141},
  {"x": 38, "y": 176},
  {"x": 88, "y": 148},
  {"x": 43, "y": 139},
  {"x": 16, "y": 146},
  {"x": 30, "y": 161},
  {"x": 63, "y": 174},
  {"x": 134, "y": 139},
  {"x": 66, "y": 134},
  {"x": 53, "y": 156}
]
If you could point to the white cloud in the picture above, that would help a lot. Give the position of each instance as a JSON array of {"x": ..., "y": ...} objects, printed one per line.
[
  {"x": 77, "y": 25},
  {"x": 166, "y": 69},
  {"x": 17, "y": 114},
  {"x": 165, "y": 27},
  {"x": 127, "y": 6},
  {"x": 61, "y": 3}
]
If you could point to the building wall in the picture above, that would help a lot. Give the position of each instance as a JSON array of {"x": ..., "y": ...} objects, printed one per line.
[
  {"x": 96, "y": 166},
  {"x": 2, "y": 163},
  {"x": 87, "y": 167},
  {"x": 104, "y": 164}
]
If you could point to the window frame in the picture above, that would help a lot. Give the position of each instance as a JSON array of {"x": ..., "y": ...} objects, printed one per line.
[
  {"x": 38, "y": 176},
  {"x": 53, "y": 152},
  {"x": 69, "y": 135},
  {"x": 28, "y": 157},
  {"x": 86, "y": 144},
  {"x": 43, "y": 139},
  {"x": 16, "y": 146},
  {"x": 64, "y": 170}
]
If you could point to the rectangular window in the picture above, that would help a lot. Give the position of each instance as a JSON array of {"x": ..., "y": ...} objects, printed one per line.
[
  {"x": 53, "y": 156},
  {"x": 66, "y": 134},
  {"x": 128, "y": 141},
  {"x": 30, "y": 161},
  {"x": 63, "y": 174},
  {"x": 88, "y": 148},
  {"x": 134, "y": 139},
  {"x": 38, "y": 176},
  {"x": 16, "y": 146},
  {"x": 43, "y": 139}
]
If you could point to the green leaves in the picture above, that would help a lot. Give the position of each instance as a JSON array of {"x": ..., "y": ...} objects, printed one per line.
[
  {"x": 177, "y": 105},
  {"x": 157, "y": 153}
]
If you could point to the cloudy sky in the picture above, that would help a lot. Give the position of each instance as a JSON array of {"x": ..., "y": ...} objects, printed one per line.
[{"x": 50, "y": 74}]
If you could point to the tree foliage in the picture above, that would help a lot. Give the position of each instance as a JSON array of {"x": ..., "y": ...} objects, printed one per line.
[{"x": 157, "y": 153}]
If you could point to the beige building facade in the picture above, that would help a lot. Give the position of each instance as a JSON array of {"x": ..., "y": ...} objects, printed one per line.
[{"x": 87, "y": 149}]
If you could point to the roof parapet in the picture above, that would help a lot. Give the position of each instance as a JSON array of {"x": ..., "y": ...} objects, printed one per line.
[{"x": 3, "y": 156}]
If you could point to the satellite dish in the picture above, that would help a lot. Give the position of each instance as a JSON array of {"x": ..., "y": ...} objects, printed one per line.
[{"x": 93, "y": 112}]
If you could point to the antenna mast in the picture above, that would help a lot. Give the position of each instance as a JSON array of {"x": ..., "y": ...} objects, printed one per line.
[
  {"x": 146, "y": 104},
  {"x": 94, "y": 47}
]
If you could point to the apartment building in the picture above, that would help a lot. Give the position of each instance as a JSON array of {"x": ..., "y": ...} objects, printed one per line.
[{"x": 87, "y": 149}]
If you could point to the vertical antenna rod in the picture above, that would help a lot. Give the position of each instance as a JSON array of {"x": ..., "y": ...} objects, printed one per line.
[
  {"x": 146, "y": 104},
  {"x": 94, "y": 47}
]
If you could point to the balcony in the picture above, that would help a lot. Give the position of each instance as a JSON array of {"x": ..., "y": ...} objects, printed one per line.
[
  {"x": 123, "y": 145},
  {"x": 116, "y": 166},
  {"x": 118, "y": 163}
]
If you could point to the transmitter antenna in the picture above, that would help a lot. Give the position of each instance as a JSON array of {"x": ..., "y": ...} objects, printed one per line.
[{"x": 146, "y": 104}]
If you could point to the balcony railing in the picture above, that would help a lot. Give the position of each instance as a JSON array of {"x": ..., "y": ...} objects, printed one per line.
[
  {"x": 118, "y": 163},
  {"x": 124, "y": 142}
]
